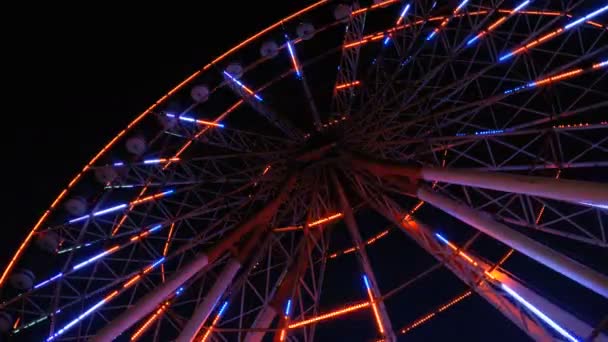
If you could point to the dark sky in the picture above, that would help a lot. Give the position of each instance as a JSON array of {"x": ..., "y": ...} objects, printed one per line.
[
  {"x": 79, "y": 75},
  {"x": 77, "y": 79}
]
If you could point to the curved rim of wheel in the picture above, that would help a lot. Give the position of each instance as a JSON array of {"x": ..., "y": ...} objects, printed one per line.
[{"x": 485, "y": 112}]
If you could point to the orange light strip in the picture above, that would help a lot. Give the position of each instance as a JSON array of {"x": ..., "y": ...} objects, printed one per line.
[
  {"x": 329, "y": 315},
  {"x": 374, "y": 6},
  {"x": 16, "y": 322},
  {"x": 375, "y": 310},
  {"x": 504, "y": 258},
  {"x": 348, "y": 85},
  {"x": 205, "y": 129},
  {"x": 132, "y": 281},
  {"x": 166, "y": 249},
  {"x": 457, "y": 299},
  {"x": 542, "y": 210},
  {"x": 312, "y": 224},
  {"x": 352, "y": 249},
  {"x": 150, "y": 320},
  {"x": 547, "y": 13},
  {"x": 553, "y": 14},
  {"x": 600, "y": 65},
  {"x": 140, "y": 117},
  {"x": 148, "y": 198},
  {"x": 558, "y": 77},
  {"x": 434, "y": 313},
  {"x": 325, "y": 219},
  {"x": 383, "y": 3},
  {"x": 213, "y": 324},
  {"x": 137, "y": 201}
]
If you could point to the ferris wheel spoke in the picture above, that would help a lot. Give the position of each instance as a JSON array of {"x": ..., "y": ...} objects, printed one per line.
[
  {"x": 346, "y": 79},
  {"x": 460, "y": 266},
  {"x": 257, "y": 104},
  {"x": 466, "y": 81},
  {"x": 483, "y": 112},
  {"x": 147, "y": 303}
]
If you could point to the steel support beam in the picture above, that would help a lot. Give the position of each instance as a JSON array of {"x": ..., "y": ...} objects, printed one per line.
[
  {"x": 203, "y": 310},
  {"x": 284, "y": 289},
  {"x": 465, "y": 271},
  {"x": 556, "y": 261},
  {"x": 152, "y": 299},
  {"x": 189, "y": 331},
  {"x": 580, "y": 192},
  {"x": 353, "y": 229}
]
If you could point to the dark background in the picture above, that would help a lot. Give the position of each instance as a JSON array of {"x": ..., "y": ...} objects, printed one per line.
[{"x": 76, "y": 76}]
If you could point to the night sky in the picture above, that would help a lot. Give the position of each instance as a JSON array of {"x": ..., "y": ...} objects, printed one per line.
[{"x": 77, "y": 79}]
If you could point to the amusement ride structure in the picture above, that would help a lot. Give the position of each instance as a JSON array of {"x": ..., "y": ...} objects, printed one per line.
[{"x": 276, "y": 191}]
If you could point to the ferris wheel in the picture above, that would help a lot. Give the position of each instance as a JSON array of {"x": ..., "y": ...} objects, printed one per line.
[{"x": 280, "y": 192}]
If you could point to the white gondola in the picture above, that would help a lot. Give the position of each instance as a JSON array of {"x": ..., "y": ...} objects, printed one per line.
[
  {"x": 136, "y": 145},
  {"x": 76, "y": 206},
  {"x": 305, "y": 31},
  {"x": 48, "y": 241},
  {"x": 22, "y": 279},
  {"x": 235, "y": 70},
  {"x": 342, "y": 12},
  {"x": 6, "y": 322},
  {"x": 269, "y": 49},
  {"x": 105, "y": 174},
  {"x": 200, "y": 93}
]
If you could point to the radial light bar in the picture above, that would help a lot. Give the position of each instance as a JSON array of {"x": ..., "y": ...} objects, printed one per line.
[
  {"x": 311, "y": 224},
  {"x": 374, "y": 6},
  {"x": 288, "y": 307},
  {"x": 600, "y": 64},
  {"x": 434, "y": 313},
  {"x": 559, "y": 77},
  {"x": 553, "y": 34},
  {"x": 193, "y": 120},
  {"x": 294, "y": 59},
  {"x": 456, "y": 249},
  {"x": 150, "y": 320},
  {"x": 329, "y": 315},
  {"x": 498, "y": 22},
  {"x": 152, "y": 197},
  {"x": 399, "y": 21},
  {"x": 348, "y": 85},
  {"x": 368, "y": 242},
  {"x": 244, "y": 87},
  {"x": 374, "y": 305},
  {"x": 514, "y": 294},
  {"x": 587, "y": 17},
  {"x": 287, "y": 312},
  {"x": 154, "y": 316},
  {"x": 55, "y": 277},
  {"x": 82, "y": 316},
  {"x": 539, "y": 313},
  {"x": 100, "y": 255},
  {"x": 99, "y": 213},
  {"x": 96, "y": 257},
  {"x": 160, "y": 160},
  {"x": 166, "y": 248},
  {"x": 215, "y": 320},
  {"x": 446, "y": 20}
]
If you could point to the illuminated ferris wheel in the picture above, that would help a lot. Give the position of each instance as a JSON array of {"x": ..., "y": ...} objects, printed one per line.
[{"x": 273, "y": 193}]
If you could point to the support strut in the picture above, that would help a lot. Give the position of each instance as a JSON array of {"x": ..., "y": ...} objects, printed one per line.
[
  {"x": 203, "y": 310},
  {"x": 153, "y": 298},
  {"x": 483, "y": 286},
  {"x": 556, "y": 261},
  {"x": 385, "y": 327},
  {"x": 580, "y": 192}
]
